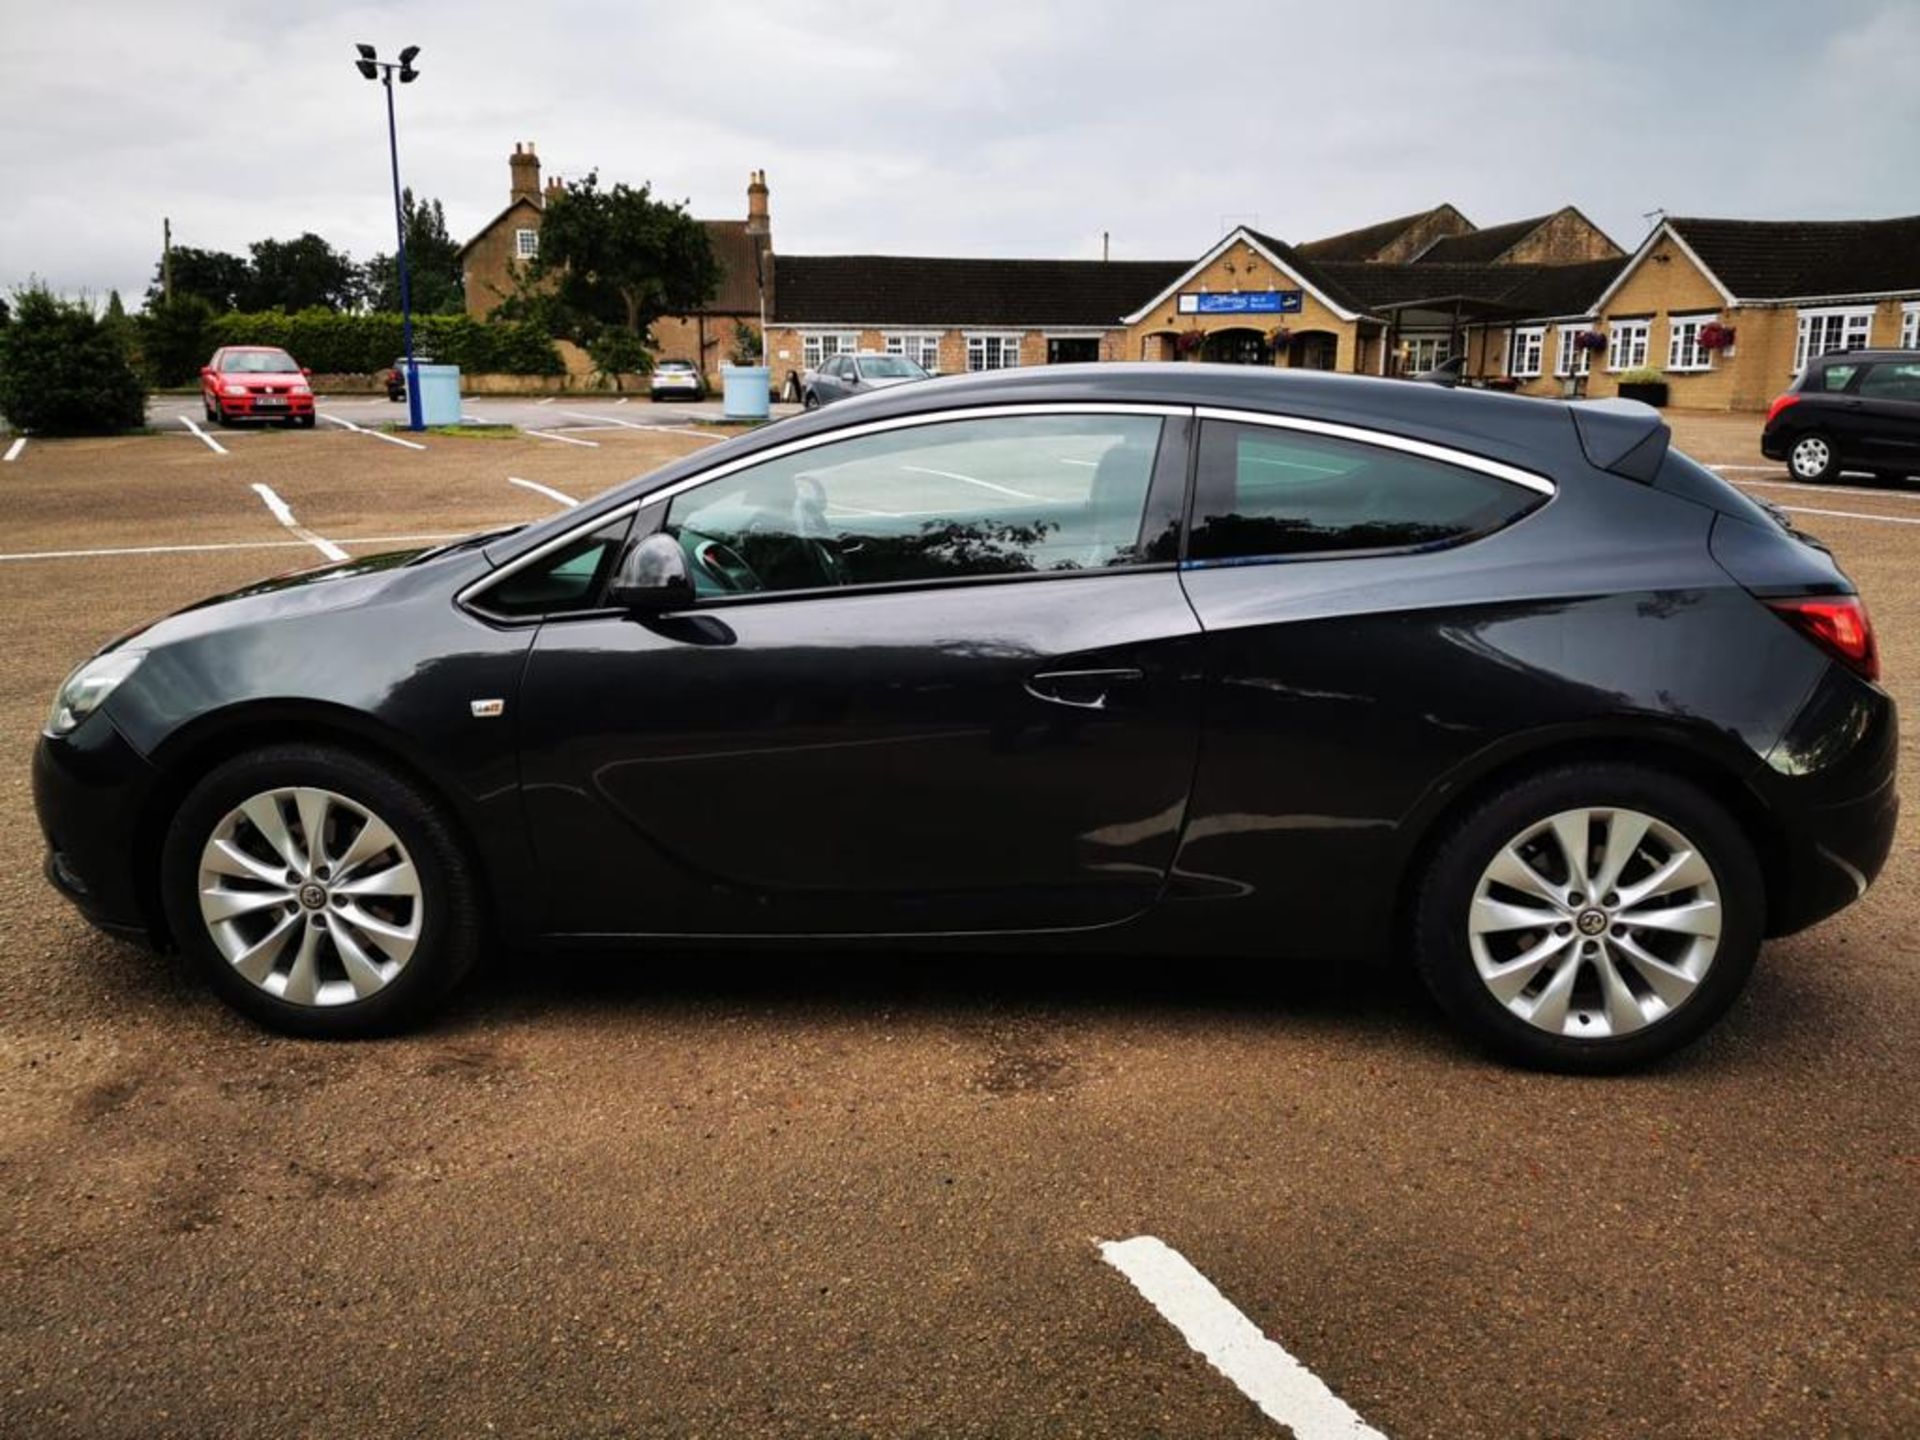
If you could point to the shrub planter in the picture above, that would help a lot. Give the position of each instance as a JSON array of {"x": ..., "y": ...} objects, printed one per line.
[{"x": 1649, "y": 392}]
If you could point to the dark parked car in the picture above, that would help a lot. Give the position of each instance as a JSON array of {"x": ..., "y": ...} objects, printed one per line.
[
  {"x": 841, "y": 377},
  {"x": 1849, "y": 410},
  {"x": 1108, "y": 659},
  {"x": 677, "y": 379},
  {"x": 397, "y": 375}
]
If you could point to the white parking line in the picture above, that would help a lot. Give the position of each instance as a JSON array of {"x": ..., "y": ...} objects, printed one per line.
[
  {"x": 212, "y": 443},
  {"x": 376, "y": 434},
  {"x": 548, "y": 401},
  {"x": 539, "y": 489},
  {"x": 983, "y": 484},
  {"x": 284, "y": 515},
  {"x": 1853, "y": 515},
  {"x": 609, "y": 419},
  {"x": 1832, "y": 489},
  {"x": 563, "y": 439},
  {"x": 218, "y": 545},
  {"x": 1285, "y": 1390},
  {"x": 621, "y": 401},
  {"x": 13, "y": 450}
]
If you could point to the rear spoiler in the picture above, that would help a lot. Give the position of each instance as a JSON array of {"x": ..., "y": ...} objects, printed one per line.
[{"x": 1621, "y": 436}]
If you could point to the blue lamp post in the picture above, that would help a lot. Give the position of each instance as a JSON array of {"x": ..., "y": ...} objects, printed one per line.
[{"x": 373, "y": 68}]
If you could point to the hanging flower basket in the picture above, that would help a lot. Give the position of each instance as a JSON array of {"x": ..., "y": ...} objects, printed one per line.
[
  {"x": 1188, "y": 341},
  {"x": 1279, "y": 335},
  {"x": 1715, "y": 336},
  {"x": 1591, "y": 340}
]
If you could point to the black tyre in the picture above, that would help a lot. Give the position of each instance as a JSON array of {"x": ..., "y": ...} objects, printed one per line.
[
  {"x": 206, "y": 407},
  {"x": 1600, "y": 960},
  {"x": 811, "y": 402},
  {"x": 1812, "y": 458},
  {"x": 323, "y": 893},
  {"x": 306, "y": 422}
]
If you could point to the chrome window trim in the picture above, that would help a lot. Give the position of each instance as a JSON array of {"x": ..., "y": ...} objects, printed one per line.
[
  {"x": 1386, "y": 440},
  {"x": 465, "y": 598}
]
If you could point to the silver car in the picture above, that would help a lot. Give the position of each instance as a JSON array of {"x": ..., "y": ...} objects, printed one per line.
[{"x": 842, "y": 375}]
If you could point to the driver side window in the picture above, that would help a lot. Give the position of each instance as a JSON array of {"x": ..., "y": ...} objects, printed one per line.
[{"x": 1027, "y": 494}]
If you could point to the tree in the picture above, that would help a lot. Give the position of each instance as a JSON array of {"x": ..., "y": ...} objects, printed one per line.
[
  {"x": 619, "y": 257},
  {"x": 64, "y": 372},
  {"x": 175, "y": 340},
  {"x": 301, "y": 274},
  {"x": 433, "y": 265},
  {"x": 215, "y": 276}
]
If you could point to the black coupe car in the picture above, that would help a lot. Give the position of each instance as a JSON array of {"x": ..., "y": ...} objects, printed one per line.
[{"x": 1110, "y": 659}]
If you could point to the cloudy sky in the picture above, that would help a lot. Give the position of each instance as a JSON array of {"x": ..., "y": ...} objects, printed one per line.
[{"x": 977, "y": 127}]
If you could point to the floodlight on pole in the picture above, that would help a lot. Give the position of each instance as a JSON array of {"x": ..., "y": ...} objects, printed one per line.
[{"x": 372, "y": 67}]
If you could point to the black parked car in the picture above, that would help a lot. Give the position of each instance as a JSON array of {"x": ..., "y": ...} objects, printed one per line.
[
  {"x": 1115, "y": 659},
  {"x": 1849, "y": 410}
]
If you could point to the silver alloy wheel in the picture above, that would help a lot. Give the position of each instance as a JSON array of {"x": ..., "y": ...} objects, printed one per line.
[
  {"x": 1811, "y": 455},
  {"x": 310, "y": 896},
  {"x": 1595, "y": 923}
]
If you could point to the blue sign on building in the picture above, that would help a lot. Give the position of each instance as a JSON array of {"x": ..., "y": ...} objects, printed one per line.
[{"x": 1242, "y": 302}]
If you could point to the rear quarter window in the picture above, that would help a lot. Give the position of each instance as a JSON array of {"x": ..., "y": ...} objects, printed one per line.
[{"x": 1267, "y": 492}]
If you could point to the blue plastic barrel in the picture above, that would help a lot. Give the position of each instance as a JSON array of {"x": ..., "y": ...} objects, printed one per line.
[
  {"x": 747, "y": 390},
  {"x": 439, "y": 394}
]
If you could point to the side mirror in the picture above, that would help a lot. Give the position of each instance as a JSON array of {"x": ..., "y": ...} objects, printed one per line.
[
  {"x": 306, "y": 372},
  {"x": 205, "y": 371},
  {"x": 653, "y": 575}
]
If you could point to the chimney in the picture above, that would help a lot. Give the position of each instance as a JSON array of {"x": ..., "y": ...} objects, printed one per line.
[
  {"x": 758, "y": 221},
  {"x": 555, "y": 188},
  {"x": 525, "y": 167}
]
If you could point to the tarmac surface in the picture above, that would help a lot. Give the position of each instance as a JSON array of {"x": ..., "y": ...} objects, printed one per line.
[{"x": 830, "y": 1196}]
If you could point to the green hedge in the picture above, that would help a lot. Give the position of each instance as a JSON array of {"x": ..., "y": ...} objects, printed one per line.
[{"x": 332, "y": 344}]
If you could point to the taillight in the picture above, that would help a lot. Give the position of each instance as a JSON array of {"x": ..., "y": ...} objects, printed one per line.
[
  {"x": 1782, "y": 403},
  {"x": 1839, "y": 625}
]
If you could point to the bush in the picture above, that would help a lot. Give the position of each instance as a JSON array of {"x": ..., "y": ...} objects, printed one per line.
[
  {"x": 616, "y": 352},
  {"x": 65, "y": 372},
  {"x": 172, "y": 339},
  {"x": 333, "y": 344}
]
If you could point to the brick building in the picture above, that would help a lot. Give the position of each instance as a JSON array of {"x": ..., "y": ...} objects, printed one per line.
[
  {"x": 488, "y": 262},
  {"x": 1544, "y": 305}
]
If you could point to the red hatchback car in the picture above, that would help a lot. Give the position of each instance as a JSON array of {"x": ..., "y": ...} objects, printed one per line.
[{"x": 255, "y": 382}]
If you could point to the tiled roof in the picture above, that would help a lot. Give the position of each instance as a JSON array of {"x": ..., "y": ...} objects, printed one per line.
[
  {"x": 1364, "y": 243},
  {"x": 1526, "y": 290},
  {"x": 1480, "y": 247},
  {"x": 1789, "y": 259},
  {"x": 942, "y": 291},
  {"x": 733, "y": 247}
]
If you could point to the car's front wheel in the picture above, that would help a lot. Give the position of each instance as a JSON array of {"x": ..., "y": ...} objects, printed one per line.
[
  {"x": 323, "y": 893},
  {"x": 1813, "y": 458},
  {"x": 812, "y": 401},
  {"x": 1590, "y": 918}
]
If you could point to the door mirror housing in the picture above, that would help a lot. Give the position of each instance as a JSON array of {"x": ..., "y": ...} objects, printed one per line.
[{"x": 653, "y": 575}]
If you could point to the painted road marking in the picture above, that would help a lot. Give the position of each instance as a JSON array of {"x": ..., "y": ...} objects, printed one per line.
[
  {"x": 539, "y": 489},
  {"x": 1285, "y": 1390},
  {"x": 212, "y": 443},
  {"x": 621, "y": 401},
  {"x": 376, "y": 434},
  {"x": 218, "y": 545},
  {"x": 1854, "y": 515},
  {"x": 13, "y": 450},
  {"x": 609, "y": 419},
  {"x": 547, "y": 401},
  {"x": 983, "y": 484},
  {"x": 563, "y": 439},
  {"x": 1832, "y": 489},
  {"x": 284, "y": 515}
]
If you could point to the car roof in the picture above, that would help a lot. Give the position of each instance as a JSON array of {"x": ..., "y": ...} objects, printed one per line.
[{"x": 1854, "y": 357}]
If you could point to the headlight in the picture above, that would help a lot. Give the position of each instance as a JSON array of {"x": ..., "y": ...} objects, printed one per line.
[
  {"x": 234, "y": 390},
  {"x": 299, "y": 389},
  {"x": 88, "y": 687}
]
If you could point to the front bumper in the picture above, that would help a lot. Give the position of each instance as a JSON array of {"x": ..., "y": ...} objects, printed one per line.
[
  {"x": 245, "y": 407},
  {"x": 91, "y": 792}
]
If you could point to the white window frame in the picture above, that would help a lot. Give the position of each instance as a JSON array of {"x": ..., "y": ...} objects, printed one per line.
[
  {"x": 816, "y": 346},
  {"x": 920, "y": 346},
  {"x": 1684, "y": 353},
  {"x": 1526, "y": 347},
  {"x": 1627, "y": 344},
  {"x": 1426, "y": 349},
  {"x": 526, "y": 244},
  {"x": 997, "y": 343},
  {"x": 1570, "y": 359},
  {"x": 1839, "y": 327},
  {"x": 1910, "y": 325}
]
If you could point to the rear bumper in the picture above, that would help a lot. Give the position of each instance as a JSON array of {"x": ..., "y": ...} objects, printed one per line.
[
  {"x": 1831, "y": 783},
  {"x": 90, "y": 790}
]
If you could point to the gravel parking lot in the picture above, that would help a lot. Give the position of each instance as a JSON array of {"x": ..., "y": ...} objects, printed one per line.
[{"x": 855, "y": 1197}]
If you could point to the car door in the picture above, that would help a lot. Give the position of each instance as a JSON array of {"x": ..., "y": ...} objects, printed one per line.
[
  {"x": 828, "y": 386},
  {"x": 934, "y": 682},
  {"x": 1889, "y": 398}
]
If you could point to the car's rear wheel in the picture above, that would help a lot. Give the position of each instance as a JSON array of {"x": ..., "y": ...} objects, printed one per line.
[
  {"x": 324, "y": 894},
  {"x": 1590, "y": 918},
  {"x": 1812, "y": 458},
  {"x": 811, "y": 402}
]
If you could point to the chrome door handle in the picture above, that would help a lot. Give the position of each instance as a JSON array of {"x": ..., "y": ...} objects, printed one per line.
[{"x": 1079, "y": 689}]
